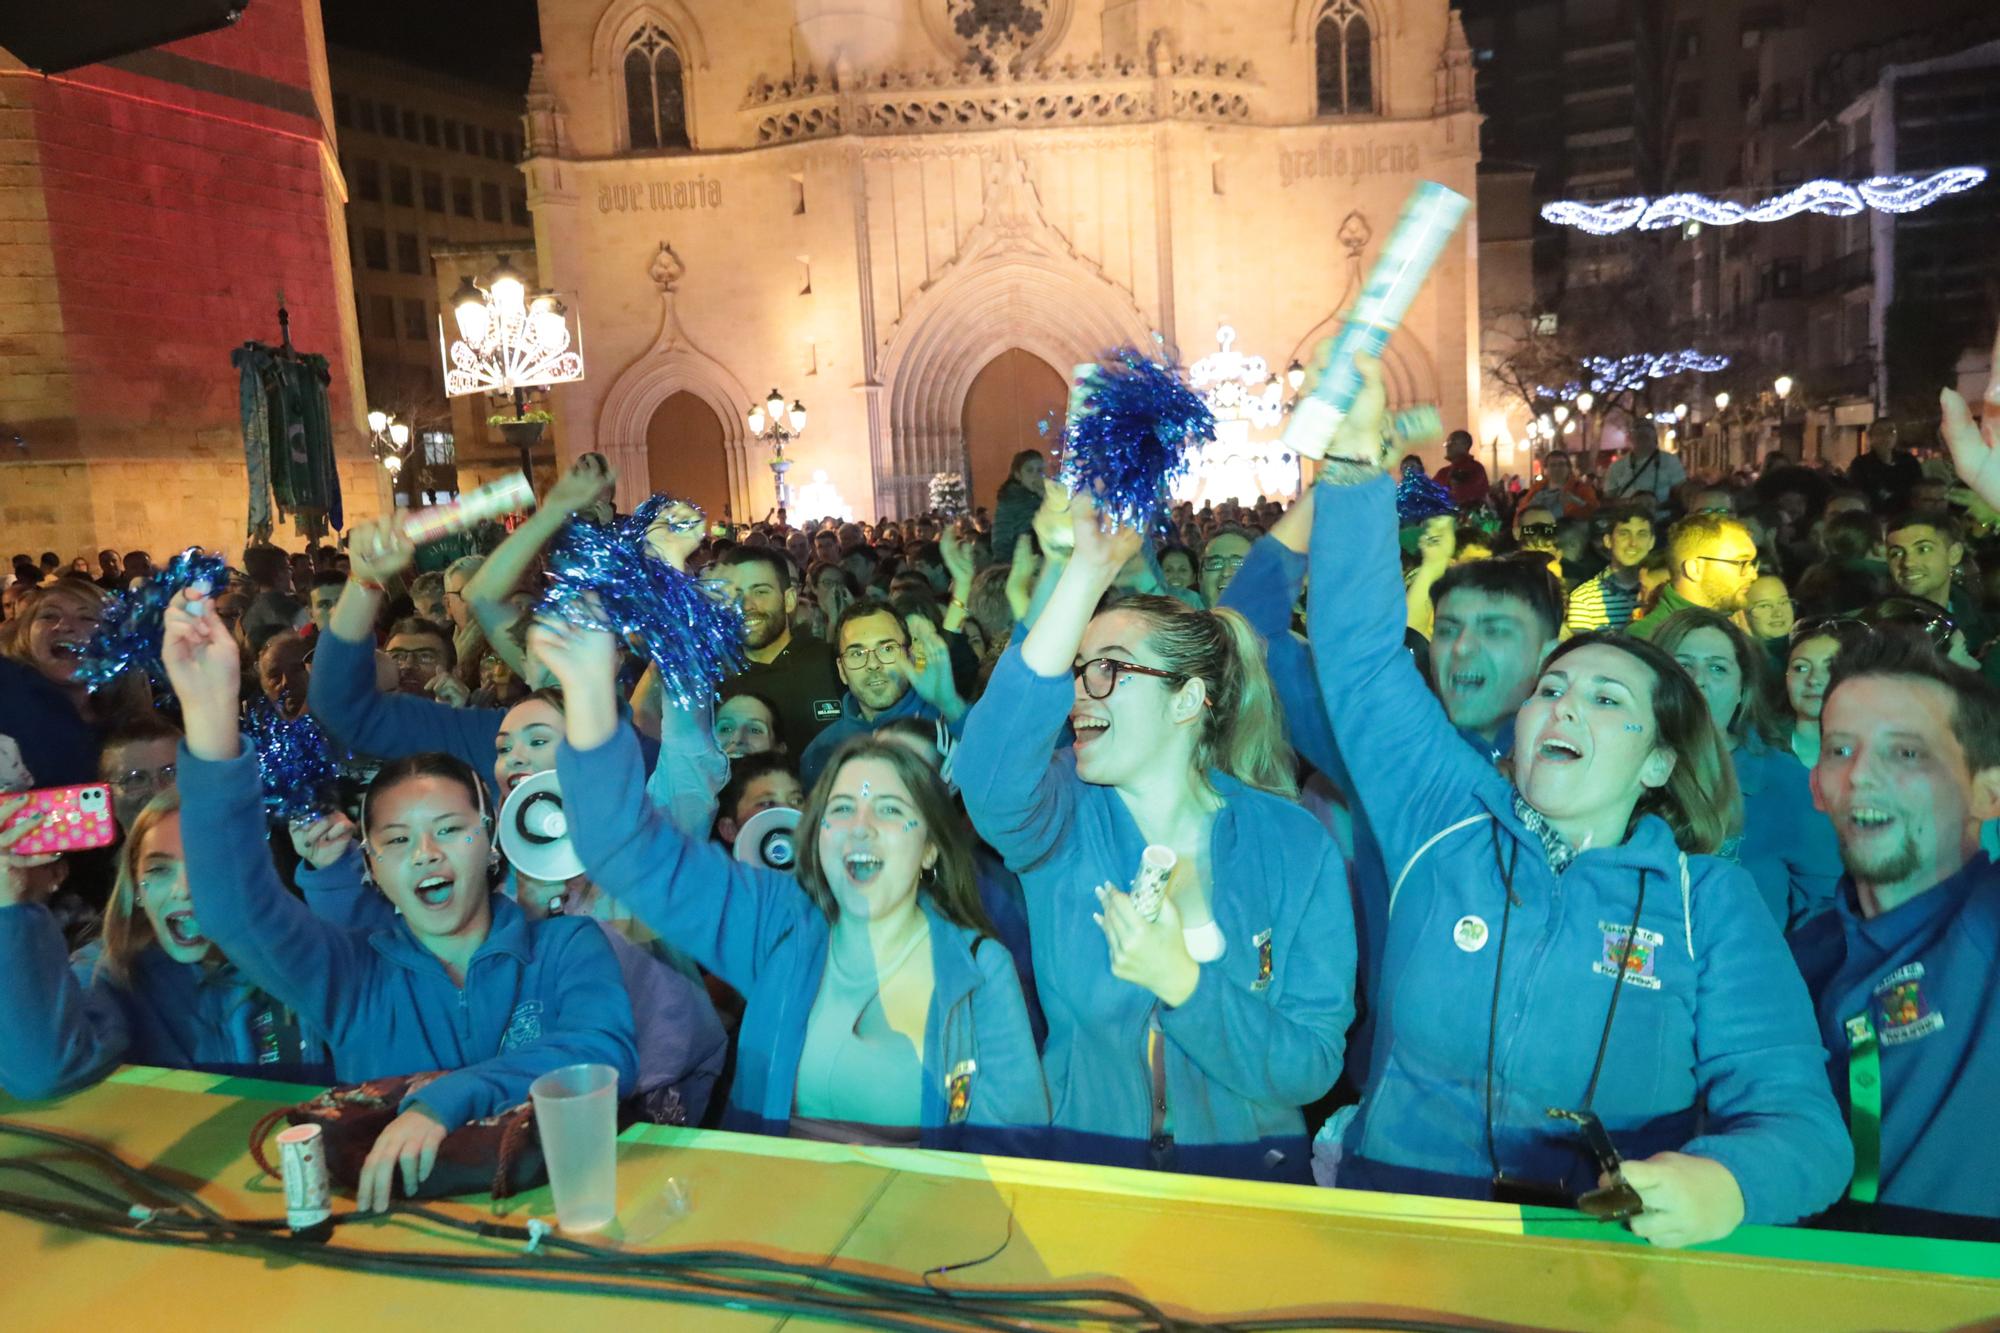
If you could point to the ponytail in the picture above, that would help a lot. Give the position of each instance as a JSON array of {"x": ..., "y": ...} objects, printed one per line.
[{"x": 1243, "y": 730}]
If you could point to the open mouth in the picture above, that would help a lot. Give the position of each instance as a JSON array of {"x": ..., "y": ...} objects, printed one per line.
[
  {"x": 1088, "y": 728},
  {"x": 66, "y": 651},
  {"x": 861, "y": 867},
  {"x": 1869, "y": 819},
  {"x": 183, "y": 929},
  {"x": 1556, "y": 750},
  {"x": 516, "y": 779},
  {"x": 434, "y": 890},
  {"x": 1466, "y": 682}
]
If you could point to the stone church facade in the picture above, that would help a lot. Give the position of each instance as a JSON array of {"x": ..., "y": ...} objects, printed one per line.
[{"x": 915, "y": 216}]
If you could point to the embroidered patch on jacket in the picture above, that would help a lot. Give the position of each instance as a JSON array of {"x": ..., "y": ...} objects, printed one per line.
[
  {"x": 1262, "y": 941},
  {"x": 958, "y": 1090},
  {"x": 525, "y": 1027},
  {"x": 826, "y": 710},
  {"x": 1638, "y": 964},
  {"x": 1906, "y": 1010}
]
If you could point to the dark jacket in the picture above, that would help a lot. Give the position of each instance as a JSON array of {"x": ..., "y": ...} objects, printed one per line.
[{"x": 1013, "y": 514}]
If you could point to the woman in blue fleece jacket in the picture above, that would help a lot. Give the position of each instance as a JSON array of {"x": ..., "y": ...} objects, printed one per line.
[
  {"x": 1787, "y": 846},
  {"x": 462, "y": 983},
  {"x": 878, "y": 1010},
  {"x": 153, "y": 990},
  {"x": 1189, "y": 1042},
  {"x": 1522, "y": 907}
]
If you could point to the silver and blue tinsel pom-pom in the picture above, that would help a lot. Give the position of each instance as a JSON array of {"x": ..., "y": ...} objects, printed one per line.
[
  {"x": 947, "y": 494},
  {"x": 1135, "y": 433},
  {"x": 129, "y": 636},
  {"x": 694, "y": 639},
  {"x": 1418, "y": 497},
  {"x": 295, "y": 764}
]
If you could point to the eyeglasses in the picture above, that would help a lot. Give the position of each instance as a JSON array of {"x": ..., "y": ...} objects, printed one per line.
[
  {"x": 417, "y": 656},
  {"x": 888, "y": 654},
  {"x": 143, "y": 779},
  {"x": 1743, "y": 565},
  {"x": 1538, "y": 529},
  {"x": 1222, "y": 564},
  {"x": 1773, "y": 604},
  {"x": 1933, "y": 621},
  {"x": 1100, "y": 675}
]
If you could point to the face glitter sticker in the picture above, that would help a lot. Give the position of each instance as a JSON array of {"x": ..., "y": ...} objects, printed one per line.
[
  {"x": 1635, "y": 727},
  {"x": 864, "y": 791}
]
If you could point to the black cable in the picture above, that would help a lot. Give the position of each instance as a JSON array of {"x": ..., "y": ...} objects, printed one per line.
[{"x": 717, "y": 1278}]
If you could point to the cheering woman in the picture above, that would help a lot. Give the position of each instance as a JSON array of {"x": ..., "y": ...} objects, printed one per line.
[
  {"x": 462, "y": 982},
  {"x": 1188, "y": 1042},
  {"x": 154, "y": 990},
  {"x": 1561, "y": 953},
  {"x": 878, "y": 1010}
]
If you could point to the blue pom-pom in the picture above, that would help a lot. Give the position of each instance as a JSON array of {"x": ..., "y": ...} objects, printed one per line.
[
  {"x": 1137, "y": 433},
  {"x": 695, "y": 640},
  {"x": 1419, "y": 498},
  {"x": 130, "y": 634},
  {"x": 294, "y": 762}
]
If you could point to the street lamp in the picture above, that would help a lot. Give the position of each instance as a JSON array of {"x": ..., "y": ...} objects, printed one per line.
[
  {"x": 508, "y": 343},
  {"x": 1585, "y": 401},
  {"x": 1562, "y": 414},
  {"x": 1783, "y": 386},
  {"x": 389, "y": 442},
  {"x": 776, "y": 425},
  {"x": 1295, "y": 375},
  {"x": 1722, "y": 401}
]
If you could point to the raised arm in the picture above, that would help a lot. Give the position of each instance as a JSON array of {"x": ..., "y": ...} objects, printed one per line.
[
  {"x": 342, "y": 694},
  {"x": 272, "y": 937},
  {"x": 586, "y": 483},
  {"x": 694, "y": 895}
]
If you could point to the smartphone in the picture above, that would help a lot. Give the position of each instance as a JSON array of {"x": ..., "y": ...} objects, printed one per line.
[{"x": 74, "y": 819}]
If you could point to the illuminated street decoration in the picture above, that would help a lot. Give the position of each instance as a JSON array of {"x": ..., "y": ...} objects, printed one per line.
[{"x": 1839, "y": 199}]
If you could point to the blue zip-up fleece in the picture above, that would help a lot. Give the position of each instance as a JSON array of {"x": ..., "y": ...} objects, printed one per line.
[
  {"x": 1923, "y": 972},
  {"x": 536, "y": 996},
  {"x": 1713, "y": 1050},
  {"x": 1788, "y": 847},
  {"x": 852, "y": 723},
  {"x": 343, "y": 699},
  {"x": 758, "y": 931},
  {"x": 68, "y": 1023},
  {"x": 1263, "y": 592},
  {"x": 1263, "y": 1032},
  {"x": 680, "y": 1042}
]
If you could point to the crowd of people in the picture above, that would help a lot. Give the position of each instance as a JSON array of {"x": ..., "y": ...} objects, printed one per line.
[{"x": 1611, "y": 840}]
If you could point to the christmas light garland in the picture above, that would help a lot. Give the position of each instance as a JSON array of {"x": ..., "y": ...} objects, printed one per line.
[
  {"x": 1839, "y": 199},
  {"x": 1628, "y": 374}
]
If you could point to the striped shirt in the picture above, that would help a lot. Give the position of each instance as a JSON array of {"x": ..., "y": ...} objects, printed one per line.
[{"x": 1601, "y": 603}]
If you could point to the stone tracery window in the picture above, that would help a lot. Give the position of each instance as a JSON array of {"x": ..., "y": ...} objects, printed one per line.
[
  {"x": 998, "y": 26},
  {"x": 1344, "y": 55},
  {"x": 655, "y": 94}
]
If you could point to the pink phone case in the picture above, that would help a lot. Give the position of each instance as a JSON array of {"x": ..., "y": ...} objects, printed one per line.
[{"x": 74, "y": 819}]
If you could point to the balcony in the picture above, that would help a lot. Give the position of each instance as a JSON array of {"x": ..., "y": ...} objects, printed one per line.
[
  {"x": 1830, "y": 383},
  {"x": 1844, "y": 274}
]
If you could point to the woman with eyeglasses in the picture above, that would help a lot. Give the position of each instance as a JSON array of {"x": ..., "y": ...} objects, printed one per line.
[
  {"x": 461, "y": 982},
  {"x": 1788, "y": 847},
  {"x": 1569, "y": 979},
  {"x": 1189, "y": 1041},
  {"x": 878, "y": 1009},
  {"x": 152, "y": 989}
]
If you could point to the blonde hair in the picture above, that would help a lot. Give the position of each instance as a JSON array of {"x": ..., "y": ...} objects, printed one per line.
[
  {"x": 1243, "y": 728},
  {"x": 128, "y": 931},
  {"x": 14, "y": 643}
]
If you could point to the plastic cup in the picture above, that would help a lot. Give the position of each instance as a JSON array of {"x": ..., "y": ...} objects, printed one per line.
[{"x": 576, "y": 1114}]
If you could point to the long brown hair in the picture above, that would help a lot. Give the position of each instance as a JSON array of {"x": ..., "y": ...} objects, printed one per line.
[
  {"x": 953, "y": 886},
  {"x": 1699, "y": 799},
  {"x": 128, "y": 931},
  {"x": 1242, "y": 729},
  {"x": 1756, "y": 713}
]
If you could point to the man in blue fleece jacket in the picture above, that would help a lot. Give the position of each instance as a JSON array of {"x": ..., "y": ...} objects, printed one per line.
[{"x": 1901, "y": 970}]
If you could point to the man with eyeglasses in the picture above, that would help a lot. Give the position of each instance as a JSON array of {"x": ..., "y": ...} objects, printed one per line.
[
  {"x": 1711, "y": 562},
  {"x": 1220, "y": 560},
  {"x": 1560, "y": 490},
  {"x": 875, "y": 664},
  {"x": 421, "y": 650},
  {"x": 138, "y": 764}
]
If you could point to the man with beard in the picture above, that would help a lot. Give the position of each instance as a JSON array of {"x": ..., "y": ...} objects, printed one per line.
[
  {"x": 792, "y": 669},
  {"x": 1901, "y": 969},
  {"x": 884, "y": 680},
  {"x": 1711, "y": 562}
]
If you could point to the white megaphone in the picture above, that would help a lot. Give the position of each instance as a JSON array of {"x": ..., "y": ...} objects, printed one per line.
[
  {"x": 769, "y": 838},
  {"x": 534, "y": 831}
]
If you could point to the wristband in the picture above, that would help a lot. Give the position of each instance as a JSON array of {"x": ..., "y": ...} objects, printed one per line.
[{"x": 366, "y": 585}]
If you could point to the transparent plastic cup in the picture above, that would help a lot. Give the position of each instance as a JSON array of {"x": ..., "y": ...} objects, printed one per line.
[{"x": 576, "y": 1114}]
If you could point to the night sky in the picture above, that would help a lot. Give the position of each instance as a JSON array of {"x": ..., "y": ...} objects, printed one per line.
[{"x": 486, "y": 40}]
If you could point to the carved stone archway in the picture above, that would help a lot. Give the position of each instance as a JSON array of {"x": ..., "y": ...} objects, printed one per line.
[
  {"x": 673, "y": 364},
  {"x": 1016, "y": 283}
]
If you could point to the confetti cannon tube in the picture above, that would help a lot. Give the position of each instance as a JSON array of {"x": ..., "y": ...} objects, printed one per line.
[
  {"x": 1430, "y": 215},
  {"x": 509, "y": 495}
]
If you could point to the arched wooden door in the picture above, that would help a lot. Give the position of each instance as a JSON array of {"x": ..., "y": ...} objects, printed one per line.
[
  {"x": 684, "y": 454},
  {"x": 1009, "y": 398}
]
